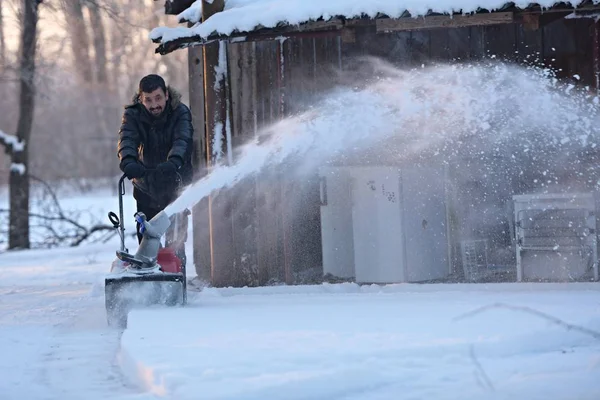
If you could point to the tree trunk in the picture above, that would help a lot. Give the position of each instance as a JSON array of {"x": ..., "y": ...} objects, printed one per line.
[
  {"x": 99, "y": 40},
  {"x": 19, "y": 174},
  {"x": 79, "y": 39},
  {"x": 117, "y": 45},
  {"x": 2, "y": 41}
]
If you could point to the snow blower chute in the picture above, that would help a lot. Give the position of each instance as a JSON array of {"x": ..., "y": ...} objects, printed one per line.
[{"x": 155, "y": 274}]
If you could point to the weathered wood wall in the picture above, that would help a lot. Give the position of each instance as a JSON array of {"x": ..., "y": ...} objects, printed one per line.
[{"x": 276, "y": 217}]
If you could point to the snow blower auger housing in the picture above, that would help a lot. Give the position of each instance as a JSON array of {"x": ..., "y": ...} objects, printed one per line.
[{"x": 155, "y": 274}]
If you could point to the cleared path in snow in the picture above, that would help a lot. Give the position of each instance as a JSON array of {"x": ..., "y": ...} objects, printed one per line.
[{"x": 53, "y": 336}]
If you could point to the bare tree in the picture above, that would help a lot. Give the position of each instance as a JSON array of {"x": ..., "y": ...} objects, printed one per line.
[
  {"x": 2, "y": 41},
  {"x": 99, "y": 40},
  {"x": 18, "y": 149},
  {"x": 79, "y": 38}
]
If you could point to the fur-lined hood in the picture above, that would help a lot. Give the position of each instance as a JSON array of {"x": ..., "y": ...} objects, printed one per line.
[{"x": 174, "y": 99}]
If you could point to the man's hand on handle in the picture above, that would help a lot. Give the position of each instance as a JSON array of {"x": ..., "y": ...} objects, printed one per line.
[
  {"x": 168, "y": 169},
  {"x": 133, "y": 169}
]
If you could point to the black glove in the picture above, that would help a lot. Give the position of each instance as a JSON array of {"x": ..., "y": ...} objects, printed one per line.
[
  {"x": 133, "y": 169},
  {"x": 167, "y": 170}
]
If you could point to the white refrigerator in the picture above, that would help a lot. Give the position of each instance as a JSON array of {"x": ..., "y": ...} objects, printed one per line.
[{"x": 384, "y": 224}]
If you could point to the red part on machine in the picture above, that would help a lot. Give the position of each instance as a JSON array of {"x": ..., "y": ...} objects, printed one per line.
[{"x": 168, "y": 260}]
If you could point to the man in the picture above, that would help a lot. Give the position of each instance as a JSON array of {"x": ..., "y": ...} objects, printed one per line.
[{"x": 155, "y": 145}]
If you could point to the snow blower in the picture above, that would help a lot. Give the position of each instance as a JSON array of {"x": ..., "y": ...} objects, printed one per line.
[{"x": 155, "y": 274}]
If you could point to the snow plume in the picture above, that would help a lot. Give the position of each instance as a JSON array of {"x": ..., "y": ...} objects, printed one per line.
[{"x": 397, "y": 115}]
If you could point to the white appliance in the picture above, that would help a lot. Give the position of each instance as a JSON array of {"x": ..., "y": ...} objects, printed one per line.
[
  {"x": 387, "y": 223},
  {"x": 336, "y": 222},
  {"x": 556, "y": 236}
]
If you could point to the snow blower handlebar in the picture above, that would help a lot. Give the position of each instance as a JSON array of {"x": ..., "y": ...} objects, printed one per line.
[
  {"x": 118, "y": 221},
  {"x": 152, "y": 231}
]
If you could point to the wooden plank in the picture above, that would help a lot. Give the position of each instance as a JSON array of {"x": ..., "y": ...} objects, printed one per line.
[
  {"x": 323, "y": 61},
  {"x": 340, "y": 51},
  {"x": 420, "y": 42},
  {"x": 501, "y": 41},
  {"x": 270, "y": 235},
  {"x": 594, "y": 43},
  {"x": 333, "y": 24},
  {"x": 477, "y": 42},
  {"x": 531, "y": 22},
  {"x": 529, "y": 45},
  {"x": 271, "y": 63},
  {"x": 595, "y": 31},
  {"x": 270, "y": 243},
  {"x": 196, "y": 94},
  {"x": 262, "y": 82},
  {"x": 438, "y": 45},
  {"x": 560, "y": 49},
  {"x": 248, "y": 216},
  {"x": 247, "y": 96},
  {"x": 200, "y": 216},
  {"x": 394, "y": 46},
  {"x": 292, "y": 77},
  {"x": 263, "y": 253},
  {"x": 401, "y": 53},
  {"x": 333, "y": 56},
  {"x": 559, "y": 37},
  {"x": 245, "y": 224},
  {"x": 405, "y": 24},
  {"x": 234, "y": 52},
  {"x": 322, "y": 70},
  {"x": 280, "y": 67},
  {"x": 458, "y": 44},
  {"x": 348, "y": 35},
  {"x": 243, "y": 194},
  {"x": 307, "y": 69}
]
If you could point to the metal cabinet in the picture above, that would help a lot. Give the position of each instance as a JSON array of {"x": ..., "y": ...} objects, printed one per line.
[{"x": 556, "y": 237}]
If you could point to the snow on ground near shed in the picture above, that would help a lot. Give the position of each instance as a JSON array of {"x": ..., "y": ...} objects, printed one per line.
[
  {"x": 350, "y": 342},
  {"x": 246, "y": 15}
]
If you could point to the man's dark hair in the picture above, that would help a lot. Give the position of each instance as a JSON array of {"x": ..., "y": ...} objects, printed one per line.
[{"x": 150, "y": 83}]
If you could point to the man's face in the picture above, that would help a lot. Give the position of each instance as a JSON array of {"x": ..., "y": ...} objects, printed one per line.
[{"x": 155, "y": 102}]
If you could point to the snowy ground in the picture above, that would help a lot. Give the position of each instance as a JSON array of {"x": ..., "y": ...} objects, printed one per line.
[
  {"x": 313, "y": 342},
  {"x": 53, "y": 336},
  {"x": 347, "y": 342}
]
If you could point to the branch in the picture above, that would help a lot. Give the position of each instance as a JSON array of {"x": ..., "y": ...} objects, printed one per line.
[
  {"x": 61, "y": 215},
  {"x": 54, "y": 237},
  {"x": 12, "y": 144},
  {"x": 487, "y": 382},
  {"x": 55, "y": 226},
  {"x": 90, "y": 232},
  {"x": 528, "y": 310}
]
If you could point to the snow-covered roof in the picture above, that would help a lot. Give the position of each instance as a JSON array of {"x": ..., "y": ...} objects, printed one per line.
[{"x": 241, "y": 16}]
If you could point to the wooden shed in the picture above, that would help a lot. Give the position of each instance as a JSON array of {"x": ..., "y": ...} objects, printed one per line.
[{"x": 267, "y": 229}]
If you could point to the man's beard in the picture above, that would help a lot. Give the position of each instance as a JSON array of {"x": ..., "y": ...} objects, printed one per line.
[{"x": 156, "y": 111}]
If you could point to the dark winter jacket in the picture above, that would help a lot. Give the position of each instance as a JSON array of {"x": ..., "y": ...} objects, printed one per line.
[{"x": 152, "y": 140}]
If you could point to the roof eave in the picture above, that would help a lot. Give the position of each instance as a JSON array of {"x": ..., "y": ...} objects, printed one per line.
[{"x": 336, "y": 25}]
